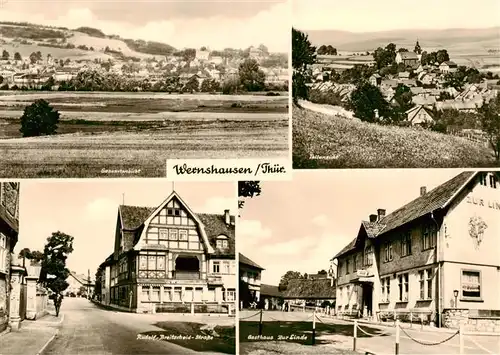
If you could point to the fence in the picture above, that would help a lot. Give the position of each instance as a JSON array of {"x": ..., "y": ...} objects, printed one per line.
[
  {"x": 460, "y": 333},
  {"x": 194, "y": 308}
]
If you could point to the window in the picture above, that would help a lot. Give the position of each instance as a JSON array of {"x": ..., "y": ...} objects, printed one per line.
[
  {"x": 403, "y": 287},
  {"x": 230, "y": 295},
  {"x": 152, "y": 265},
  {"x": 355, "y": 263},
  {"x": 471, "y": 284},
  {"x": 222, "y": 244},
  {"x": 368, "y": 256},
  {"x": 388, "y": 251},
  {"x": 172, "y": 234},
  {"x": 347, "y": 266},
  {"x": 216, "y": 267},
  {"x": 493, "y": 180},
  {"x": 340, "y": 268},
  {"x": 3, "y": 253},
  {"x": 386, "y": 289},
  {"x": 226, "y": 267},
  {"x": 406, "y": 244},
  {"x": 429, "y": 234},
  {"x": 428, "y": 274},
  {"x": 183, "y": 234},
  {"x": 421, "y": 282}
]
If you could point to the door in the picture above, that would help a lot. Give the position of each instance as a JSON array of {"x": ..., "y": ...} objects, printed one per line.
[{"x": 367, "y": 299}]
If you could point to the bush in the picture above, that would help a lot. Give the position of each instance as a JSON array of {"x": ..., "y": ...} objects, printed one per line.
[{"x": 39, "y": 119}]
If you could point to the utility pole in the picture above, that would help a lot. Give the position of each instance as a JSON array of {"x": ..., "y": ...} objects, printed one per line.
[{"x": 88, "y": 285}]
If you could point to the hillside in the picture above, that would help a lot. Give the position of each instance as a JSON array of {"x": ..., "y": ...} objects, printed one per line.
[
  {"x": 26, "y": 38},
  {"x": 321, "y": 141},
  {"x": 455, "y": 40}
]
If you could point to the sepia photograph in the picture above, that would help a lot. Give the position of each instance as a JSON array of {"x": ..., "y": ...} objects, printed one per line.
[
  {"x": 123, "y": 267},
  {"x": 393, "y": 84},
  {"x": 371, "y": 262},
  {"x": 114, "y": 89}
]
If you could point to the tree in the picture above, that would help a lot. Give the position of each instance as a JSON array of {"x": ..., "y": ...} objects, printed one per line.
[
  {"x": 252, "y": 78},
  {"x": 39, "y": 119},
  {"x": 193, "y": 85},
  {"x": 263, "y": 49},
  {"x": 33, "y": 58},
  {"x": 490, "y": 122},
  {"x": 17, "y": 56},
  {"x": 418, "y": 49},
  {"x": 366, "y": 100},
  {"x": 54, "y": 272},
  {"x": 403, "y": 97},
  {"x": 285, "y": 279},
  {"x": 442, "y": 56},
  {"x": 31, "y": 255},
  {"x": 5, "y": 55},
  {"x": 401, "y": 50},
  {"x": 303, "y": 55},
  {"x": 248, "y": 189}
]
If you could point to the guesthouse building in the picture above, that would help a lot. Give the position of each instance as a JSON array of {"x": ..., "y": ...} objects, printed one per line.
[
  {"x": 435, "y": 259},
  {"x": 170, "y": 259}
]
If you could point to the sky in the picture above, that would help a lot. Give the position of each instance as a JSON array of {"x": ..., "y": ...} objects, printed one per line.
[
  {"x": 383, "y": 15},
  {"x": 214, "y": 23},
  {"x": 88, "y": 209},
  {"x": 300, "y": 225}
]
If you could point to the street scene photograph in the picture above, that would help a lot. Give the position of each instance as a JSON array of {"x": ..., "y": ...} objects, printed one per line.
[
  {"x": 114, "y": 89},
  {"x": 117, "y": 267},
  {"x": 392, "y": 84},
  {"x": 371, "y": 262}
]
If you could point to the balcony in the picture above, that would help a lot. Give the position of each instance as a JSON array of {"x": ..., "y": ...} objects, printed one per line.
[{"x": 186, "y": 275}]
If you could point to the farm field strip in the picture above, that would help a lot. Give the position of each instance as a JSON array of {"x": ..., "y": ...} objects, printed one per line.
[{"x": 161, "y": 116}]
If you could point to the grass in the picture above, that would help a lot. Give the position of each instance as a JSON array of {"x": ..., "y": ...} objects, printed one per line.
[
  {"x": 321, "y": 141},
  {"x": 302, "y": 342},
  {"x": 220, "y": 339},
  {"x": 142, "y": 151}
]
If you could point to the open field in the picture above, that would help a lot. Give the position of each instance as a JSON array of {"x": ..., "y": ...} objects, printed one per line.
[
  {"x": 323, "y": 141},
  {"x": 141, "y": 150}
]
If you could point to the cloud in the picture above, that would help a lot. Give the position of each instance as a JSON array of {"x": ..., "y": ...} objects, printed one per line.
[
  {"x": 217, "y": 205},
  {"x": 320, "y": 220},
  {"x": 100, "y": 209},
  {"x": 251, "y": 233}
]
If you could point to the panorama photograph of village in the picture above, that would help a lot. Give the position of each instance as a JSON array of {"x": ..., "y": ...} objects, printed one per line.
[
  {"x": 128, "y": 267},
  {"x": 401, "y": 262},
  {"x": 114, "y": 89},
  {"x": 396, "y": 85}
]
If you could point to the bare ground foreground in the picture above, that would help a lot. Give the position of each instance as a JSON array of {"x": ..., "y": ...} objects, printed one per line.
[
  {"x": 105, "y": 134},
  {"x": 140, "y": 153}
]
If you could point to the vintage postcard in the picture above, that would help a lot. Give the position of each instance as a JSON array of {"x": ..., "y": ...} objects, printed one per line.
[
  {"x": 386, "y": 84},
  {"x": 371, "y": 262},
  {"x": 125, "y": 267},
  {"x": 116, "y": 88}
]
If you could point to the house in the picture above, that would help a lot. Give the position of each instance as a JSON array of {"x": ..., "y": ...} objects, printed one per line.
[
  {"x": 311, "y": 292},
  {"x": 250, "y": 276},
  {"x": 271, "y": 297},
  {"x": 170, "y": 259},
  {"x": 404, "y": 75},
  {"x": 419, "y": 115},
  {"x": 424, "y": 99},
  {"x": 448, "y": 67},
  {"x": 435, "y": 259},
  {"x": 9, "y": 230},
  {"x": 217, "y": 60},
  {"x": 202, "y": 55},
  {"x": 79, "y": 285},
  {"x": 375, "y": 79},
  {"x": 410, "y": 59}
]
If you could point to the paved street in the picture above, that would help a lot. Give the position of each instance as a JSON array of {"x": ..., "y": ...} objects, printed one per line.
[
  {"x": 337, "y": 335},
  {"x": 87, "y": 329}
]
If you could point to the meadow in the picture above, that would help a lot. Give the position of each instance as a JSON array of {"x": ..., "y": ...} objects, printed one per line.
[
  {"x": 138, "y": 132},
  {"x": 325, "y": 141}
]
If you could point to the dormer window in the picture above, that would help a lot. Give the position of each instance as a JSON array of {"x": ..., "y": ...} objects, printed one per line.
[{"x": 222, "y": 242}]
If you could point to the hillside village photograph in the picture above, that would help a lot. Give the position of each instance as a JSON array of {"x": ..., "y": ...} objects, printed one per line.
[
  {"x": 417, "y": 89},
  {"x": 117, "y": 267},
  {"x": 399, "y": 259},
  {"x": 112, "y": 89}
]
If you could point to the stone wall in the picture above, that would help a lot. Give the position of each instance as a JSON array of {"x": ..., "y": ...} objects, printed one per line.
[{"x": 452, "y": 318}]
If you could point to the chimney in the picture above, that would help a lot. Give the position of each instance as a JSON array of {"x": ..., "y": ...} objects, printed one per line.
[
  {"x": 423, "y": 190},
  {"x": 227, "y": 217},
  {"x": 381, "y": 213},
  {"x": 373, "y": 218}
]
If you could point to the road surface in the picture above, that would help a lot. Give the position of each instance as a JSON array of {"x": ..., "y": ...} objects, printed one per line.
[{"x": 88, "y": 329}]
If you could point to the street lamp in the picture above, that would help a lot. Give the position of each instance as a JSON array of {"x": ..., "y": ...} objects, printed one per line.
[{"x": 455, "y": 293}]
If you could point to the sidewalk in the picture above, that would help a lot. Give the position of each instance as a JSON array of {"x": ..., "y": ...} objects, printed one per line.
[{"x": 32, "y": 337}]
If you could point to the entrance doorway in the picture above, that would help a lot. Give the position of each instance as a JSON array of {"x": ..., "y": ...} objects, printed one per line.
[{"x": 367, "y": 299}]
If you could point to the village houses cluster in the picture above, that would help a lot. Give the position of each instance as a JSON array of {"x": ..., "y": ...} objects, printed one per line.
[
  {"x": 426, "y": 83},
  {"x": 37, "y": 69}
]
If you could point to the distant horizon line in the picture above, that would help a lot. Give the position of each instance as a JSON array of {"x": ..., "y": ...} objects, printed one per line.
[{"x": 402, "y": 29}]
